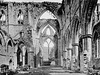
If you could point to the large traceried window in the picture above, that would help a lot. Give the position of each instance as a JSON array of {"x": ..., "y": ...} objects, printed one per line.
[{"x": 48, "y": 43}]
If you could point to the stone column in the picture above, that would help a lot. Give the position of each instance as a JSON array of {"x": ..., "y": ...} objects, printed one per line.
[
  {"x": 23, "y": 60},
  {"x": 59, "y": 52},
  {"x": 75, "y": 47},
  {"x": 89, "y": 47},
  {"x": 15, "y": 60},
  {"x": 15, "y": 57},
  {"x": 64, "y": 58},
  {"x": 69, "y": 57}
]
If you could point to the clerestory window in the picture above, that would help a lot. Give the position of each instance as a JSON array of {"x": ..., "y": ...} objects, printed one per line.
[
  {"x": 20, "y": 17},
  {"x": 2, "y": 17}
]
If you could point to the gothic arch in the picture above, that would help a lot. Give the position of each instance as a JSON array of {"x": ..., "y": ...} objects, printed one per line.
[
  {"x": 44, "y": 25},
  {"x": 43, "y": 11},
  {"x": 75, "y": 27}
]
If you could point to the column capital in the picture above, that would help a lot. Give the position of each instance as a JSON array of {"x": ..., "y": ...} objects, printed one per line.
[
  {"x": 69, "y": 49},
  {"x": 75, "y": 44}
]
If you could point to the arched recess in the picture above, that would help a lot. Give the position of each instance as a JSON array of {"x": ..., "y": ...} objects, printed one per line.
[
  {"x": 10, "y": 52},
  {"x": 19, "y": 57},
  {"x": 20, "y": 54},
  {"x": 10, "y": 45}
]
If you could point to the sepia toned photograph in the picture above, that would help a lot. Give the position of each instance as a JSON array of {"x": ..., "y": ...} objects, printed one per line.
[{"x": 49, "y": 37}]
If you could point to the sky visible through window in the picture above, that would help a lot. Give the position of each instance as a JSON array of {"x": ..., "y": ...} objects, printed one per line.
[{"x": 48, "y": 15}]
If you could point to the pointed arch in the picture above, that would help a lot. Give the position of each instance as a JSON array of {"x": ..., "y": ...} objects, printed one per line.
[
  {"x": 45, "y": 26},
  {"x": 48, "y": 15},
  {"x": 9, "y": 43},
  {"x": 48, "y": 28}
]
